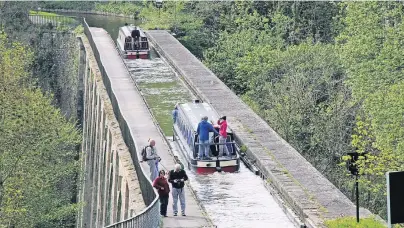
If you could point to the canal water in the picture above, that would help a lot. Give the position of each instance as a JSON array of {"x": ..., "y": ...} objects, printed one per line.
[
  {"x": 230, "y": 199},
  {"x": 236, "y": 199}
]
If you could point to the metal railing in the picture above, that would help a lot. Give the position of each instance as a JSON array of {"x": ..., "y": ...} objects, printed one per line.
[
  {"x": 133, "y": 46},
  {"x": 53, "y": 20},
  {"x": 150, "y": 216},
  {"x": 211, "y": 144}
]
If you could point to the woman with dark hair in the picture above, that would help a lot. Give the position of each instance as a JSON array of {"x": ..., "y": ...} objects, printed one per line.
[
  {"x": 161, "y": 184},
  {"x": 222, "y": 123}
]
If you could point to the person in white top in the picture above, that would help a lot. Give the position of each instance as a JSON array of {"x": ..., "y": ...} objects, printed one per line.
[{"x": 152, "y": 159}]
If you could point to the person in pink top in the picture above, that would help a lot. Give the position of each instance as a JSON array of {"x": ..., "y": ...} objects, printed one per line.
[{"x": 223, "y": 136}]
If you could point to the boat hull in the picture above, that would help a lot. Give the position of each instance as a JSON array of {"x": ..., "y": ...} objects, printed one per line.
[
  {"x": 210, "y": 170},
  {"x": 135, "y": 55}
]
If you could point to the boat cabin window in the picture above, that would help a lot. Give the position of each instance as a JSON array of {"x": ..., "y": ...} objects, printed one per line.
[
  {"x": 186, "y": 131},
  {"x": 128, "y": 39},
  {"x": 135, "y": 41},
  {"x": 128, "y": 43},
  {"x": 144, "y": 44}
]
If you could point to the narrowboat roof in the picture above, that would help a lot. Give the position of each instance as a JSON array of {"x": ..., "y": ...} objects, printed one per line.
[
  {"x": 127, "y": 30},
  {"x": 195, "y": 111}
]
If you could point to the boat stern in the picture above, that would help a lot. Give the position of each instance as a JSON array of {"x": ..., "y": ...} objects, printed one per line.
[
  {"x": 217, "y": 165},
  {"x": 137, "y": 55}
]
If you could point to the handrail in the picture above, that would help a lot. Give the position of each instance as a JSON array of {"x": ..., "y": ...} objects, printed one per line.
[
  {"x": 149, "y": 217},
  {"x": 210, "y": 144}
]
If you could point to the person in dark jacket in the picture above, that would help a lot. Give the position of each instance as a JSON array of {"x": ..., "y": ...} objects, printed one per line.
[
  {"x": 177, "y": 178},
  {"x": 161, "y": 184},
  {"x": 204, "y": 127}
]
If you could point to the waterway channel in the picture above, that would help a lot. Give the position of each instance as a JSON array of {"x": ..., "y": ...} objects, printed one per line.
[{"x": 230, "y": 199}]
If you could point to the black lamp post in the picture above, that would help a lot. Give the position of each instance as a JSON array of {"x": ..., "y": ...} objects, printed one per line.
[
  {"x": 159, "y": 5},
  {"x": 353, "y": 168}
]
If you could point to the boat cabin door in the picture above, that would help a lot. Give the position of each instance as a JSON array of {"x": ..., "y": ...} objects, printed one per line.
[
  {"x": 136, "y": 35},
  {"x": 196, "y": 147}
]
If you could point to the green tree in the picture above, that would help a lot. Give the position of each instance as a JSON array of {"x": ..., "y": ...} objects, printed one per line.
[
  {"x": 300, "y": 92},
  {"x": 371, "y": 45},
  {"x": 233, "y": 44},
  {"x": 38, "y": 147}
]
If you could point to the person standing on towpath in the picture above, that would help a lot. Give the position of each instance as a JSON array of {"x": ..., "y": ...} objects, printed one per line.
[
  {"x": 149, "y": 154},
  {"x": 204, "y": 127},
  {"x": 161, "y": 184},
  {"x": 177, "y": 178}
]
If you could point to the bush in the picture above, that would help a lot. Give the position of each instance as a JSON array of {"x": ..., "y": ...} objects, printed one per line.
[
  {"x": 243, "y": 148},
  {"x": 350, "y": 222}
]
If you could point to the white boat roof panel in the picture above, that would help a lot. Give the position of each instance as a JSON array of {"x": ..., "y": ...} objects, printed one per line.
[
  {"x": 127, "y": 30},
  {"x": 195, "y": 111}
]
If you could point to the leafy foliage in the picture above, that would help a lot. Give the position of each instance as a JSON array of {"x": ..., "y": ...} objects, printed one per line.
[
  {"x": 350, "y": 222},
  {"x": 38, "y": 145},
  {"x": 125, "y": 8},
  {"x": 371, "y": 49},
  {"x": 70, "y": 5},
  {"x": 55, "y": 68}
]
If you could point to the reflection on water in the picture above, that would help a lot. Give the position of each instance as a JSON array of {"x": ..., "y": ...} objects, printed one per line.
[
  {"x": 237, "y": 199},
  {"x": 160, "y": 87},
  {"x": 110, "y": 23}
]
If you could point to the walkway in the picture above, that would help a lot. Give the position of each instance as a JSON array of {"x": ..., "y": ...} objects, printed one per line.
[
  {"x": 308, "y": 192},
  {"x": 142, "y": 126}
]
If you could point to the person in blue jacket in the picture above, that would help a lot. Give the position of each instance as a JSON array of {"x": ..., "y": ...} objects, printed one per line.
[
  {"x": 204, "y": 127},
  {"x": 175, "y": 113}
]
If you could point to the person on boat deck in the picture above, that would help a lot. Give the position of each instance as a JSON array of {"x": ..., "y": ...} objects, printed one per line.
[
  {"x": 177, "y": 178},
  {"x": 175, "y": 113},
  {"x": 222, "y": 125},
  {"x": 204, "y": 127},
  {"x": 152, "y": 159},
  {"x": 161, "y": 184}
]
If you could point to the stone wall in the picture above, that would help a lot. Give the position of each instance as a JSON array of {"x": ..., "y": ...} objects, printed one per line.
[{"x": 110, "y": 188}]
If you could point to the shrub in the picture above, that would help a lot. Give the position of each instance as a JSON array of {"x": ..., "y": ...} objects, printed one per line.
[
  {"x": 243, "y": 149},
  {"x": 350, "y": 222}
]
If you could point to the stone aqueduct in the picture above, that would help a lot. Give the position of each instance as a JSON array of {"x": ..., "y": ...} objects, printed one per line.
[{"x": 115, "y": 188}]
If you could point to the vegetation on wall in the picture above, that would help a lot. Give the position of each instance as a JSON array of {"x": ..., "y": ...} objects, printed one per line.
[
  {"x": 350, "y": 222},
  {"x": 38, "y": 149},
  {"x": 38, "y": 143},
  {"x": 55, "y": 68}
]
